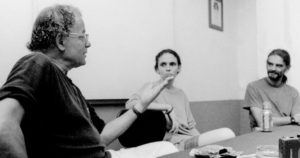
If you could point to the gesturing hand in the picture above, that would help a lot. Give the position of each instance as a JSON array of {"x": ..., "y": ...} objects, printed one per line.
[{"x": 150, "y": 91}]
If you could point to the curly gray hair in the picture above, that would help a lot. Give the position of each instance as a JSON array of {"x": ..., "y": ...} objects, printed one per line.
[{"x": 51, "y": 21}]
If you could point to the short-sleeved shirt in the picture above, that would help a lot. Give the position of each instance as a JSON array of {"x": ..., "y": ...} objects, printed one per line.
[
  {"x": 284, "y": 99},
  {"x": 58, "y": 122}
]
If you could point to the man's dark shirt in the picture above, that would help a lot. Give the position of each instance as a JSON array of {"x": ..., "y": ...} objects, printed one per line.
[{"x": 58, "y": 122}]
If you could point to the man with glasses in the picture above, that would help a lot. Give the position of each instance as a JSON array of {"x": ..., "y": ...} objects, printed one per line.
[{"x": 44, "y": 115}]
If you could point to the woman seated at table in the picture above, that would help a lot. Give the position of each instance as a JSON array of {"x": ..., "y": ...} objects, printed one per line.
[{"x": 181, "y": 126}]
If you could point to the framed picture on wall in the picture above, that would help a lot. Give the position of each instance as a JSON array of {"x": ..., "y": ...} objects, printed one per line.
[{"x": 215, "y": 8}]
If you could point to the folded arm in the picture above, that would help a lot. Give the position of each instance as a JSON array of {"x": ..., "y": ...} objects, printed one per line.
[
  {"x": 12, "y": 142},
  {"x": 277, "y": 121},
  {"x": 296, "y": 109},
  {"x": 297, "y": 118}
]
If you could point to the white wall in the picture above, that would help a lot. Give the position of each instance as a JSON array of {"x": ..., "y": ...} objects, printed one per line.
[
  {"x": 278, "y": 27},
  {"x": 246, "y": 45},
  {"x": 294, "y": 33},
  {"x": 272, "y": 30},
  {"x": 125, "y": 37},
  {"x": 14, "y": 33},
  {"x": 214, "y": 65},
  {"x": 127, "y": 34}
]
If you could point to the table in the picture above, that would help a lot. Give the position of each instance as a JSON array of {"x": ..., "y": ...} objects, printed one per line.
[{"x": 248, "y": 142}]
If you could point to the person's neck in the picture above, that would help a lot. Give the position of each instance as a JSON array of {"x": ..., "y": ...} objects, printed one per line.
[
  {"x": 275, "y": 83},
  {"x": 56, "y": 60},
  {"x": 61, "y": 66}
]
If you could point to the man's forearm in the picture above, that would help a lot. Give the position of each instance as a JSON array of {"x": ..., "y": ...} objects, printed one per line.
[
  {"x": 279, "y": 121},
  {"x": 12, "y": 144},
  {"x": 118, "y": 126}
]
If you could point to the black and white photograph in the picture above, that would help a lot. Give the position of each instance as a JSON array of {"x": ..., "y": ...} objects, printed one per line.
[{"x": 149, "y": 78}]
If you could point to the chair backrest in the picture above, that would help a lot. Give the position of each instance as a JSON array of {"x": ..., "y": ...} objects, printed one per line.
[
  {"x": 253, "y": 122},
  {"x": 149, "y": 127}
]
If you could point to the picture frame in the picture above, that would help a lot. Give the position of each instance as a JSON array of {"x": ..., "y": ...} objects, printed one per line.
[{"x": 215, "y": 9}]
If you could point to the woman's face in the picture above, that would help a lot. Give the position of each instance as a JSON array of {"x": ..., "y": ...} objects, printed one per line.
[{"x": 167, "y": 66}]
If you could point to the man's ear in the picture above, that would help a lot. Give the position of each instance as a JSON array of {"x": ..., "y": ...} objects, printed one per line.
[
  {"x": 59, "y": 40},
  {"x": 287, "y": 69}
]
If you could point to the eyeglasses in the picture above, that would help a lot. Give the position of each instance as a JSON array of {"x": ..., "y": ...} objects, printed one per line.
[{"x": 83, "y": 36}]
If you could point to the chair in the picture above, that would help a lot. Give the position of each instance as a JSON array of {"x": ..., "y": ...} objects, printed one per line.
[
  {"x": 149, "y": 127},
  {"x": 253, "y": 122}
]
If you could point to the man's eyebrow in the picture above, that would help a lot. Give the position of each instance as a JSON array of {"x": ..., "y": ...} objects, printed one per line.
[
  {"x": 279, "y": 64},
  {"x": 268, "y": 62}
]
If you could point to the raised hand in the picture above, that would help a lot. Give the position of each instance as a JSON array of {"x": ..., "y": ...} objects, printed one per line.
[{"x": 150, "y": 91}]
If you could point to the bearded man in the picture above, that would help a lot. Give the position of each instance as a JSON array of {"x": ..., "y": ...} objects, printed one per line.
[{"x": 273, "y": 89}]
